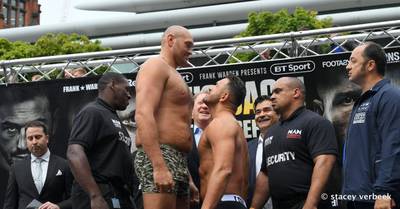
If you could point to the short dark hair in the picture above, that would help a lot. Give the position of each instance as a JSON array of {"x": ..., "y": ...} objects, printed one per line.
[
  {"x": 237, "y": 89},
  {"x": 37, "y": 123},
  {"x": 374, "y": 51},
  {"x": 107, "y": 78},
  {"x": 260, "y": 99}
]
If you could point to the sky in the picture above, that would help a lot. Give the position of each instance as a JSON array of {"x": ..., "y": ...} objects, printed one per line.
[{"x": 61, "y": 11}]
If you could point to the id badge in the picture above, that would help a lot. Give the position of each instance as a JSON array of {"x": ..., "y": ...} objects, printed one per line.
[{"x": 115, "y": 202}]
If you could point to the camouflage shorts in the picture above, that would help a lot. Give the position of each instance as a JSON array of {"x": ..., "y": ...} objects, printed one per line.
[{"x": 176, "y": 163}]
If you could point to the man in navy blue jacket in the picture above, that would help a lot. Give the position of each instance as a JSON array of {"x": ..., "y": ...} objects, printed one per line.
[{"x": 371, "y": 160}]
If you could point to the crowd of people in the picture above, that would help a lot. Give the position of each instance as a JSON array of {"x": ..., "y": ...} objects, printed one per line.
[
  {"x": 210, "y": 164},
  {"x": 68, "y": 73}
]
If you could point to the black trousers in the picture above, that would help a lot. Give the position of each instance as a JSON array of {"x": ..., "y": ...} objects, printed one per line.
[
  {"x": 360, "y": 205},
  {"x": 363, "y": 205},
  {"x": 292, "y": 205},
  {"x": 295, "y": 202},
  {"x": 81, "y": 200},
  {"x": 298, "y": 203}
]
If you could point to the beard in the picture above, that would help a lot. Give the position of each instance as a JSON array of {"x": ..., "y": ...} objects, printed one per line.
[{"x": 211, "y": 99}]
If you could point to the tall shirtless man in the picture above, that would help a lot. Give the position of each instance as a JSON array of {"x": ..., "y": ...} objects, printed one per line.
[
  {"x": 163, "y": 117},
  {"x": 223, "y": 149}
]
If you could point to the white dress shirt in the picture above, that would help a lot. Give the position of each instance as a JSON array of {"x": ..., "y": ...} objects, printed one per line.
[
  {"x": 35, "y": 169},
  {"x": 259, "y": 154},
  {"x": 197, "y": 134}
]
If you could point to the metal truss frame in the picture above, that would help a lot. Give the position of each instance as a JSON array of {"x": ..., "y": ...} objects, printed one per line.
[{"x": 210, "y": 53}]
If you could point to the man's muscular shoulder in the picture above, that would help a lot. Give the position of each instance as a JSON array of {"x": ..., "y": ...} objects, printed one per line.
[
  {"x": 223, "y": 126},
  {"x": 157, "y": 60},
  {"x": 155, "y": 64},
  {"x": 224, "y": 121},
  {"x": 154, "y": 69}
]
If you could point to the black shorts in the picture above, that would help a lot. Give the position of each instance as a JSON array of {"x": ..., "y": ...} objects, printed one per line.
[
  {"x": 230, "y": 205},
  {"x": 231, "y": 202}
]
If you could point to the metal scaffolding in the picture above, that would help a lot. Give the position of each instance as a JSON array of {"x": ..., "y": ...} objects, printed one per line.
[{"x": 209, "y": 53}]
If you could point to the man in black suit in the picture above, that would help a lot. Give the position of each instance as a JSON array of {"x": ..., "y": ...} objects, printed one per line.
[
  {"x": 5, "y": 163},
  {"x": 41, "y": 176},
  {"x": 264, "y": 117},
  {"x": 201, "y": 118}
]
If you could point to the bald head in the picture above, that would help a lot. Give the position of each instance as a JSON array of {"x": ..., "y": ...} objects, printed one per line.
[
  {"x": 288, "y": 95},
  {"x": 176, "y": 46},
  {"x": 293, "y": 83},
  {"x": 176, "y": 31}
]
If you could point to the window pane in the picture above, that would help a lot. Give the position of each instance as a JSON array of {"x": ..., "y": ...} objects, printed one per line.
[
  {"x": 5, "y": 13},
  {"x": 12, "y": 17},
  {"x": 21, "y": 19},
  {"x": 14, "y": 3},
  {"x": 21, "y": 5}
]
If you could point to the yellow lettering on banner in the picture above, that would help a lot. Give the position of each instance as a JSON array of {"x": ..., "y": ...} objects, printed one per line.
[
  {"x": 239, "y": 110},
  {"x": 247, "y": 107},
  {"x": 251, "y": 95}
]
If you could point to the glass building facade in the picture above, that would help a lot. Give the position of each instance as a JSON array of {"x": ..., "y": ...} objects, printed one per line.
[{"x": 19, "y": 13}]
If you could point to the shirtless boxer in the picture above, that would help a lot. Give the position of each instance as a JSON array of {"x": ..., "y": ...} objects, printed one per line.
[
  {"x": 163, "y": 118},
  {"x": 223, "y": 149}
]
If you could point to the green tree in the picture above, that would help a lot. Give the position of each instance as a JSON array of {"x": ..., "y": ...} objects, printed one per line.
[
  {"x": 263, "y": 23},
  {"x": 19, "y": 50},
  {"x": 49, "y": 45},
  {"x": 57, "y": 44},
  {"x": 5, "y": 46}
]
